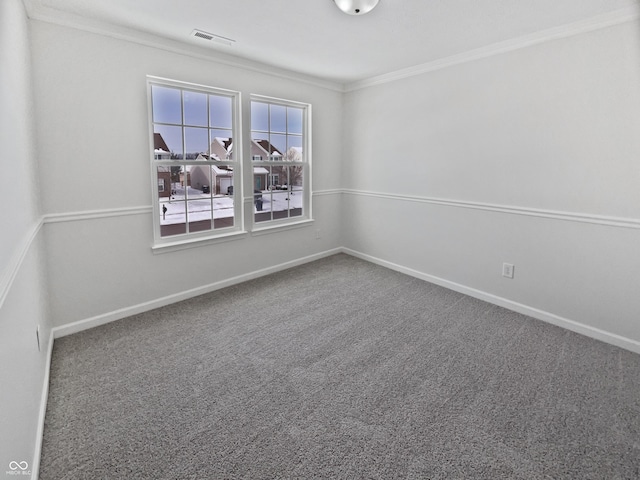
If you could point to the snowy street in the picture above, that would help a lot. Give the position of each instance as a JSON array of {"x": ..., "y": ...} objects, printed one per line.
[{"x": 200, "y": 205}]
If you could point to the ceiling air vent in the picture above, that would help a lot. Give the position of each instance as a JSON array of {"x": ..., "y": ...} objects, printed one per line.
[{"x": 210, "y": 37}]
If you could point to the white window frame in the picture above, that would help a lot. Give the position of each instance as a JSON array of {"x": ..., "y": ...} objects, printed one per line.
[
  {"x": 306, "y": 216},
  {"x": 194, "y": 238}
]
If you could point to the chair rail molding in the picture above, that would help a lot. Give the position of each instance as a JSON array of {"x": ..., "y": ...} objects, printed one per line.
[{"x": 621, "y": 222}]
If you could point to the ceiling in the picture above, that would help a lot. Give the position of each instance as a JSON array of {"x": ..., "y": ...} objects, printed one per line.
[{"x": 314, "y": 38}]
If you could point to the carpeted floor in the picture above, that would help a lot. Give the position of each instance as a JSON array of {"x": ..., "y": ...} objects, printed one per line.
[{"x": 339, "y": 369}]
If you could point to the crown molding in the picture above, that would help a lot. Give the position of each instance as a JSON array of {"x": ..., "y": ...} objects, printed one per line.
[
  {"x": 36, "y": 11},
  {"x": 597, "y": 22}
]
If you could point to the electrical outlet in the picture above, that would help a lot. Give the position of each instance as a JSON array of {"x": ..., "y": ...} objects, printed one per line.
[
  {"x": 507, "y": 270},
  {"x": 317, "y": 234}
]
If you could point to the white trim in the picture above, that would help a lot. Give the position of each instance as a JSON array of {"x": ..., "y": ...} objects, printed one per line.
[
  {"x": 35, "y": 464},
  {"x": 620, "y": 222},
  {"x": 92, "y": 214},
  {"x": 36, "y": 11},
  {"x": 271, "y": 228},
  {"x": 283, "y": 102},
  {"x": 192, "y": 242},
  {"x": 583, "y": 26},
  {"x": 235, "y": 131},
  {"x": 592, "y": 332},
  {"x": 329, "y": 191},
  {"x": 98, "y": 320},
  {"x": 305, "y": 162},
  {"x": 75, "y": 327},
  {"x": 15, "y": 263}
]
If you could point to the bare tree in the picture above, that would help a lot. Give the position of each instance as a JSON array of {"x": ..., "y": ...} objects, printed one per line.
[{"x": 295, "y": 171}]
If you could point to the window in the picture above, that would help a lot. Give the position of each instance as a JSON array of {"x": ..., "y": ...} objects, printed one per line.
[
  {"x": 274, "y": 181},
  {"x": 280, "y": 133},
  {"x": 195, "y": 160}
]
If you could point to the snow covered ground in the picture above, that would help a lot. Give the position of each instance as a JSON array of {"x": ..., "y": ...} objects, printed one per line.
[{"x": 201, "y": 205}]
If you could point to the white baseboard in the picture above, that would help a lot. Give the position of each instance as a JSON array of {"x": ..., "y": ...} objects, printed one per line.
[
  {"x": 35, "y": 464},
  {"x": 572, "y": 325},
  {"x": 548, "y": 317},
  {"x": 105, "y": 318},
  {"x": 81, "y": 325}
]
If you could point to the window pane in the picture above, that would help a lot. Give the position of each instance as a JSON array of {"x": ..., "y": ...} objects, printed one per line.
[
  {"x": 161, "y": 150},
  {"x": 280, "y": 204},
  {"x": 166, "y": 105},
  {"x": 222, "y": 180},
  {"x": 172, "y": 218},
  {"x": 273, "y": 182},
  {"x": 262, "y": 206},
  {"x": 294, "y": 143},
  {"x": 278, "y": 145},
  {"x": 223, "y": 212},
  {"x": 221, "y": 147},
  {"x": 278, "y": 116},
  {"x": 172, "y": 137},
  {"x": 294, "y": 120},
  {"x": 259, "y": 145},
  {"x": 200, "y": 181},
  {"x": 171, "y": 199},
  {"x": 196, "y": 142},
  {"x": 195, "y": 108},
  {"x": 164, "y": 182},
  {"x": 296, "y": 191},
  {"x": 296, "y": 176},
  {"x": 220, "y": 112},
  {"x": 199, "y": 214},
  {"x": 176, "y": 179},
  {"x": 259, "y": 116}
]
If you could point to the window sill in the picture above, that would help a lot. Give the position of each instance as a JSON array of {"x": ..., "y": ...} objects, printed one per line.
[
  {"x": 280, "y": 227},
  {"x": 184, "y": 244}
]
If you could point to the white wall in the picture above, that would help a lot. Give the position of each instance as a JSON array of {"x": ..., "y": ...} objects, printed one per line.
[
  {"x": 92, "y": 120},
  {"x": 528, "y": 157},
  {"x": 22, "y": 273}
]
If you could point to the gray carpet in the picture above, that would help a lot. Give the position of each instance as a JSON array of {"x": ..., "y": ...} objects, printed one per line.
[{"x": 339, "y": 369}]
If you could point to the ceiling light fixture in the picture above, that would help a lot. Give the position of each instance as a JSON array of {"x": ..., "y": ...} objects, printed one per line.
[{"x": 356, "y": 7}]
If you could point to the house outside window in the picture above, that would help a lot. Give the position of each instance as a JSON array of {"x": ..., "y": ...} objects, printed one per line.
[
  {"x": 280, "y": 133},
  {"x": 195, "y": 163}
]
